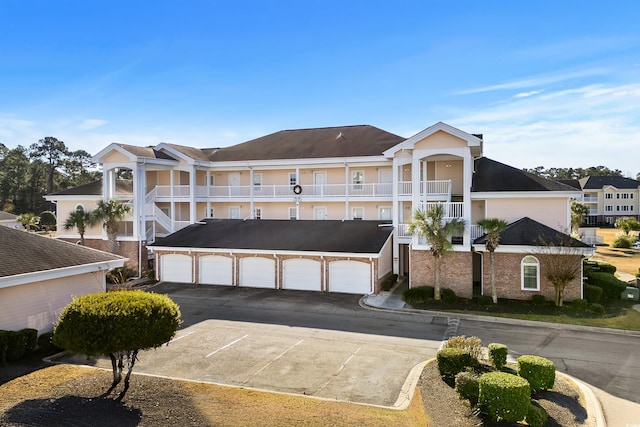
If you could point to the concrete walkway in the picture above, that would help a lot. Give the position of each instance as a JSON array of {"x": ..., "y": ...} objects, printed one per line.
[{"x": 603, "y": 408}]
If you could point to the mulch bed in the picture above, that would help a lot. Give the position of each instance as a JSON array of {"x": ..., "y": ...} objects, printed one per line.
[{"x": 563, "y": 403}]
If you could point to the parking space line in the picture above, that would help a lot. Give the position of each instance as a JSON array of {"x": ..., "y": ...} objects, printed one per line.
[
  {"x": 339, "y": 370},
  {"x": 279, "y": 356},
  {"x": 228, "y": 345},
  {"x": 182, "y": 336}
]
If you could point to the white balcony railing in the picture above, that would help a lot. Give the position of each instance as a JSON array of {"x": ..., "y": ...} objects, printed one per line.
[
  {"x": 476, "y": 231},
  {"x": 451, "y": 209},
  {"x": 590, "y": 199},
  {"x": 175, "y": 191}
]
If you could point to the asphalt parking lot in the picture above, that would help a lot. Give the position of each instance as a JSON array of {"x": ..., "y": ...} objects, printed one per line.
[{"x": 326, "y": 362}]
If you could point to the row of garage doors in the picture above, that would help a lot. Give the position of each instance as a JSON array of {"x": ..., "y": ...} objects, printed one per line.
[{"x": 345, "y": 276}]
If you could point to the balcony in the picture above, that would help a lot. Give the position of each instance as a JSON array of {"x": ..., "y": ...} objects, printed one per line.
[
  {"x": 590, "y": 199},
  {"x": 168, "y": 191},
  {"x": 265, "y": 191},
  {"x": 429, "y": 190}
]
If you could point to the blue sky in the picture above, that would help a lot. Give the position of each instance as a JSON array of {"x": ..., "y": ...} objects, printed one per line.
[{"x": 551, "y": 83}]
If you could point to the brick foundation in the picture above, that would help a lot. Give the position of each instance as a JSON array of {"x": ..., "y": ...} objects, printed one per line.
[{"x": 456, "y": 271}]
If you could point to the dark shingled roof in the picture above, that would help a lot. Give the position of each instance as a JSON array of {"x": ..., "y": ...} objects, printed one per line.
[
  {"x": 343, "y": 141},
  {"x": 194, "y": 153},
  {"x": 22, "y": 252},
  {"x": 362, "y": 237},
  {"x": 571, "y": 182},
  {"x": 492, "y": 176},
  {"x": 597, "y": 182},
  {"x": 527, "y": 232},
  {"x": 123, "y": 187}
]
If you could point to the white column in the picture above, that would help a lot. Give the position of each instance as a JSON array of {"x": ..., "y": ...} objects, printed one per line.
[
  {"x": 251, "y": 201},
  {"x": 347, "y": 186},
  {"x": 395, "y": 170},
  {"x": 192, "y": 195},
  {"x": 172, "y": 210},
  {"x": 466, "y": 206}
]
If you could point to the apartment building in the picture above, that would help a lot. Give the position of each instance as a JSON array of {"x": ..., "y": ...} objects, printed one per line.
[{"x": 262, "y": 213}]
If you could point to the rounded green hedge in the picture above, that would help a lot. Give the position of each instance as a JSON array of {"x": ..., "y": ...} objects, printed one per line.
[
  {"x": 536, "y": 416},
  {"x": 467, "y": 387},
  {"x": 539, "y": 371},
  {"x": 451, "y": 361},
  {"x": 504, "y": 397},
  {"x": 418, "y": 295},
  {"x": 498, "y": 355}
]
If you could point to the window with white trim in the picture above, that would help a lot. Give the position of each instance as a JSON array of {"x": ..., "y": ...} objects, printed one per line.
[
  {"x": 257, "y": 213},
  {"x": 357, "y": 213},
  {"x": 293, "y": 178},
  {"x": 79, "y": 206},
  {"x": 257, "y": 181},
  {"x": 384, "y": 213},
  {"x": 608, "y": 195},
  {"x": 212, "y": 180},
  {"x": 530, "y": 273},
  {"x": 292, "y": 213},
  {"x": 357, "y": 179},
  {"x": 210, "y": 212},
  {"x": 608, "y": 208}
]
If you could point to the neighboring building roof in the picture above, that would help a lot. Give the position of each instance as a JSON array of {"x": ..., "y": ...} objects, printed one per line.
[
  {"x": 285, "y": 235},
  {"x": 571, "y": 182},
  {"x": 342, "y": 141},
  {"x": 147, "y": 152},
  {"x": 191, "y": 152},
  {"x": 597, "y": 182},
  {"x": 493, "y": 176},
  {"x": 527, "y": 232},
  {"x": 6, "y": 216},
  {"x": 123, "y": 187},
  {"x": 22, "y": 252}
]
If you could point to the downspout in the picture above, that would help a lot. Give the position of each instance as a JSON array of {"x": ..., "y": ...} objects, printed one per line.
[
  {"x": 234, "y": 269},
  {"x": 373, "y": 275},
  {"x": 277, "y": 271},
  {"x": 324, "y": 273}
]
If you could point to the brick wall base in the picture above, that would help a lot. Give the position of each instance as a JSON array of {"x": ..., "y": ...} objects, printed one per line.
[
  {"x": 456, "y": 271},
  {"x": 127, "y": 248}
]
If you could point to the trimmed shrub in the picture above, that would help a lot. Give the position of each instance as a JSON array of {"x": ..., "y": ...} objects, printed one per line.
[
  {"x": 484, "y": 300},
  {"x": 4, "y": 343},
  {"x": 579, "y": 305},
  {"x": 536, "y": 416},
  {"x": 451, "y": 361},
  {"x": 418, "y": 295},
  {"x": 16, "y": 348},
  {"x": 538, "y": 299},
  {"x": 624, "y": 242},
  {"x": 498, "y": 355},
  {"x": 448, "y": 296},
  {"x": 504, "y": 397},
  {"x": 592, "y": 293},
  {"x": 467, "y": 387},
  {"x": 44, "y": 342},
  {"x": 596, "y": 308},
  {"x": 539, "y": 371},
  {"x": 30, "y": 337},
  {"x": 472, "y": 344},
  {"x": 611, "y": 286}
]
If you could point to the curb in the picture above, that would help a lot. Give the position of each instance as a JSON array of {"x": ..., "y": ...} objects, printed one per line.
[{"x": 593, "y": 405}]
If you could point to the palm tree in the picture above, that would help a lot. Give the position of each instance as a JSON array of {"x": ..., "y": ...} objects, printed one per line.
[
  {"x": 433, "y": 226},
  {"x": 493, "y": 227},
  {"x": 28, "y": 220},
  {"x": 110, "y": 214},
  {"x": 79, "y": 219}
]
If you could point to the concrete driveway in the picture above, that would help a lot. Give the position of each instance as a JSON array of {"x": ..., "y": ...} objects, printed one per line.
[{"x": 218, "y": 345}]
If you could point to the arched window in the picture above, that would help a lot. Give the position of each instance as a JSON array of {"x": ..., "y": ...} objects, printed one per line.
[
  {"x": 79, "y": 206},
  {"x": 530, "y": 273}
]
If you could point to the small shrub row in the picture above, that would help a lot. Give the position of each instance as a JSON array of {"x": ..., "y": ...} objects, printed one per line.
[
  {"x": 602, "y": 267},
  {"x": 538, "y": 299},
  {"x": 389, "y": 282},
  {"x": 418, "y": 295},
  {"x": 448, "y": 296},
  {"x": 484, "y": 300},
  {"x": 592, "y": 293},
  {"x": 538, "y": 371},
  {"x": 14, "y": 345},
  {"x": 624, "y": 242}
]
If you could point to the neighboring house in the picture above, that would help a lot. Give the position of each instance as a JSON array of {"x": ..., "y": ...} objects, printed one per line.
[
  {"x": 342, "y": 175},
  {"x": 9, "y": 220},
  {"x": 39, "y": 276},
  {"x": 608, "y": 198}
]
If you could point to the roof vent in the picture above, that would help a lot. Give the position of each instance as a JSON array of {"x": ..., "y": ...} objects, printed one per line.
[{"x": 340, "y": 135}]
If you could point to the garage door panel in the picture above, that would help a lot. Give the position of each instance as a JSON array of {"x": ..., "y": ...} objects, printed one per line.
[
  {"x": 176, "y": 268},
  {"x": 216, "y": 270},
  {"x": 352, "y": 277},
  {"x": 302, "y": 274},
  {"x": 258, "y": 272}
]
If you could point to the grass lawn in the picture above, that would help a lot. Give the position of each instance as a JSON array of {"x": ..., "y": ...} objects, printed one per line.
[{"x": 625, "y": 260}]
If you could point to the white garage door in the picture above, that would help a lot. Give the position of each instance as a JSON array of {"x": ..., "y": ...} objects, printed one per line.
[
  {"x": 351, "y": 277},
  {"x": 176, "y": 268},
  {"x": 301, "y": 274},
  {"x": 258, "y": 272},
  {"x": 216, "y": 270}
]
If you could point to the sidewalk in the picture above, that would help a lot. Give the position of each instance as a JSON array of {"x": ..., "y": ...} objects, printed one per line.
[{"x": 603, "y": 408}]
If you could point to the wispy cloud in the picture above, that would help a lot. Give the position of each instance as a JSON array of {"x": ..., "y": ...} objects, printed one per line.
[
  {"x": 89, "y": 124},
  {"x": 526, "y": 94},
  {"x": 539, "y": 80}
]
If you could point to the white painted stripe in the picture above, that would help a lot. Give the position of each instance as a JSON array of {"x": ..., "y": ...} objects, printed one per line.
[
  {"x": 348, "y": 360},
  {"x": 183, "y": 336},
  {"x": 225, "y": 346},
  {"x": 279, "y": 356}
]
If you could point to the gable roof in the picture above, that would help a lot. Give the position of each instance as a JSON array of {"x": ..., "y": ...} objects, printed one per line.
[
  {"x": 341, "y": 141},
  {"x": 22, "y": 252},
  {"x": 528, "y": 232},
  {"x": 473, "y": 140},
  {"x": 598, "y": 182},
  {"x": 360, "y": 237},
  {"x": 123, "y": 187},
  {"x": 493, "y": 176}
]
